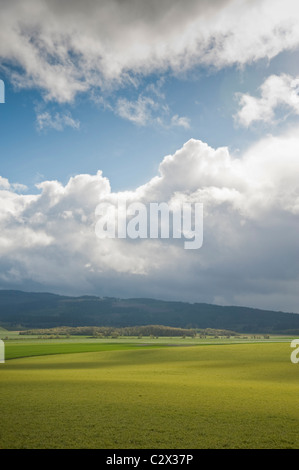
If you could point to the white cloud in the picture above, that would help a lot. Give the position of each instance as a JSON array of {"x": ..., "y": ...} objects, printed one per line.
[
  {"x": 65, "y": 51},
  {"x": 58, "y": 122},
  {"x": 5, "y": 184},
  {"x": 180, "y": 121},
  {"x": 146, "y": 111},
  {"x": 139, "y": 112},
  {"x": 276, "y": 91},
  {"x": 250, "y": 249}
]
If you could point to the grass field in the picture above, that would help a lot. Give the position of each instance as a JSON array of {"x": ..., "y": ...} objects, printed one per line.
[{"x": 80, "y": 393}]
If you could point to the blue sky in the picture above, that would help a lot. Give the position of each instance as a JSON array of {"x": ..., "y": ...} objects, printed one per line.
[
  {"x": 115, "y": 88},
  {"x": 127, "y": 152}
]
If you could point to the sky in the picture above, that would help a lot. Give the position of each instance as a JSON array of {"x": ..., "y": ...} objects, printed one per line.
[{"x": 151, "y": 102}]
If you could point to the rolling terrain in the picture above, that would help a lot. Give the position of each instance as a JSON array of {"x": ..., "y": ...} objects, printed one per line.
[
  {"x": 122, "y": 397},
  {"x": 45, "y": 310}
]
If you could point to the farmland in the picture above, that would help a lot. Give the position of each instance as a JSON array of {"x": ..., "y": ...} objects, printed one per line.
[{"x": 149, "y": 393}]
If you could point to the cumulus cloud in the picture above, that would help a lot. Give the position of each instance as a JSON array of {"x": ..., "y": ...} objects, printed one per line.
[
  {"x": 277, "y": 91},
  {"x": 250, "y": 250},
  {"x": 98, "y": 45},
  {"x": 5, "y": 184}
]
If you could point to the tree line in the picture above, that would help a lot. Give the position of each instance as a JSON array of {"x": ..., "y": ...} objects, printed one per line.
[{"x": 144, "y": 330}]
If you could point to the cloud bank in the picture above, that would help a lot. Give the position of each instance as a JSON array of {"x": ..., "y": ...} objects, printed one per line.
[
  {"x": 64, "y": 51},
  {"x": 250, "y": 249},
  {"x": 251, "y": 201}
]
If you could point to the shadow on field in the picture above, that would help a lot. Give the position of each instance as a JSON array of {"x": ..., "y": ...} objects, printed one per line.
[
  {"x": 64, "y": 365},
  {"x": 98, "y": 361}
]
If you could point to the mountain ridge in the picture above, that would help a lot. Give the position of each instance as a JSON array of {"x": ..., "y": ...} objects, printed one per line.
[{"x": 19, "y": 309}]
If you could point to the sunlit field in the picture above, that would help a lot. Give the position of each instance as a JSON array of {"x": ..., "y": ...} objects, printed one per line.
[{"x": 148, "y": 394}]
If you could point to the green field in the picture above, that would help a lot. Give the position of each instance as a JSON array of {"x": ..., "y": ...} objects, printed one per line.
[{"x": 146, "y": 394}]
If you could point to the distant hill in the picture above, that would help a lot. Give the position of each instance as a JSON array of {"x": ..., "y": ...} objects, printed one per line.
[{"x": 45, "y": 310}]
